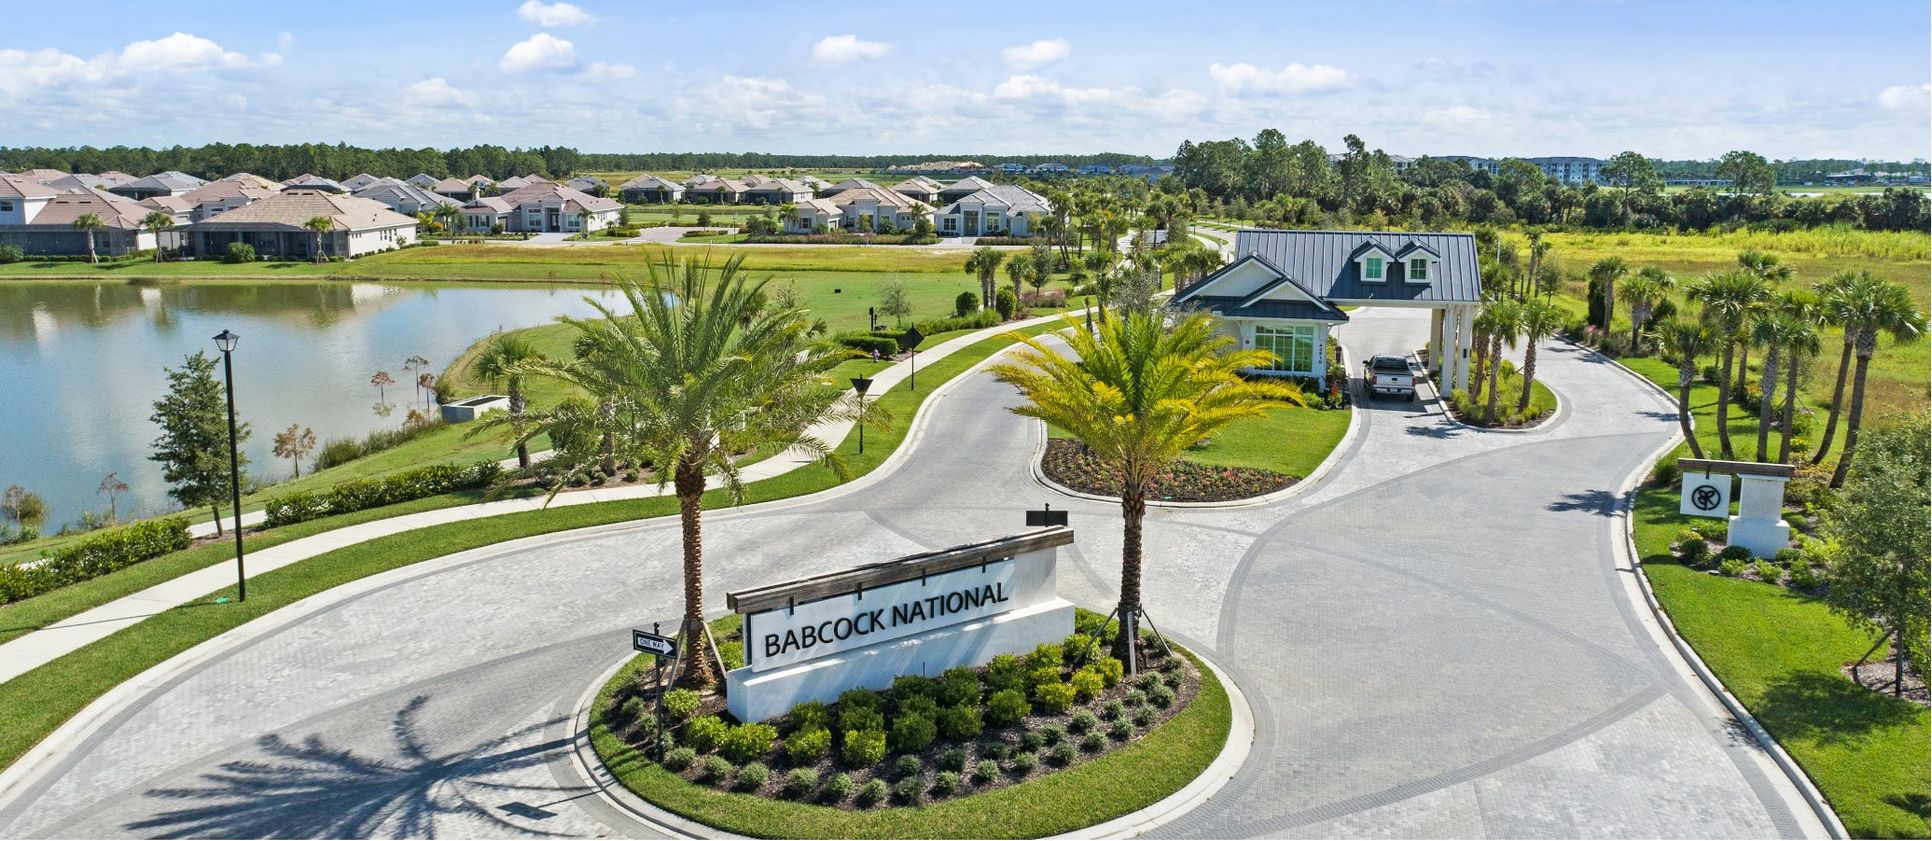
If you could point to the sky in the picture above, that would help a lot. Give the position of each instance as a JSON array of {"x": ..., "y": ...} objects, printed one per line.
[{"x": 1482, "y": 77}]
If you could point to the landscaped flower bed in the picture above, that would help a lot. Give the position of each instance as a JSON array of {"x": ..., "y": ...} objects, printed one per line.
[
  {"x": 1072, "y": 464},
  {"x": 967, "y": 732}
]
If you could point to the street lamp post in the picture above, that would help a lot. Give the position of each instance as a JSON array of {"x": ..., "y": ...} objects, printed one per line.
[
  {"x": 860, "y": 385},
  {"x": 226, "y": 341}
]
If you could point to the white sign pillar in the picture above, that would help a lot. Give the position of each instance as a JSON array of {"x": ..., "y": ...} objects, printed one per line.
[{"x": 1759, "y": 525}]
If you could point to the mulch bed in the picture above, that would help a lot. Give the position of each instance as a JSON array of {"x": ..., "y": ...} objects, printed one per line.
[
  {"x": 1877, "y": 676},
  {"x": 1070, "y": 463}
]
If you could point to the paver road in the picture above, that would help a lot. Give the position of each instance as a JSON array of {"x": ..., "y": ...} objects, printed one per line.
[{"x": 1434, "y": 639}]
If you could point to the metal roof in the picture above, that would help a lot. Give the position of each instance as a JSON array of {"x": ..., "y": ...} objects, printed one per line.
[
  {"x": 1322, "y": 262},
  {"x": 1230, "y": 307}
]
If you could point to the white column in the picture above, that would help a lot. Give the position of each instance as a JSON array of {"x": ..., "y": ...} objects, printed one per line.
[
  {"x": 1465, "y": 338},
  {"x": 1759, "y": 525},
  {"x": 1434, "y": 361},
  {"x": 1446, "y": 379}
]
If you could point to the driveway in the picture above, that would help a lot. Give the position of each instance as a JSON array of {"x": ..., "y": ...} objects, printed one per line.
[{"x": 1435, "y": 637}]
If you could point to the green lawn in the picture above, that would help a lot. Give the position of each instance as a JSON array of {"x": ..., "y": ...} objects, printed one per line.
[
  {"x": 43, "y": 698},
  {"x": 1290, "y": 440},
  {"x": 1779, "y": 653},
  {"x": 1161, "y": 762}
]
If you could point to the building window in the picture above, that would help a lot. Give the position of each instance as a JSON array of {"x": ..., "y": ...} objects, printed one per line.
[
  {"x": 1372, "y": 268},
  {"x": 6, "y": 205},
  {"x": 1418, "y": 268},
  {"x": 1293, "y": 346}
]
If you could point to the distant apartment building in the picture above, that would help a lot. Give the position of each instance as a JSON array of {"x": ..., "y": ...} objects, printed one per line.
[{"x": 1570, "y": 169}]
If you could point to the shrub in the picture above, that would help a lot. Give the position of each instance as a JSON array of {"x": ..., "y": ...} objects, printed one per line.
[
  {"x": 1046, "y": 655},
  {"x": 964, "y": 304},
  {"x": 1024, "y": 762},
  {"x": 908, "y": 766},
  {"x": 863, "y": 747},
  {"x": 806, "y": 746},
  {"x": 1173, "y": 679},
  {"x": 960, "y": 722},
  {"x": 1111, "y": 670},
  {"x": 1077, "y": 649},
  {"x": 867, "y": 343},
  {"x": 1711, "y": 529},
  {"x": 1694, "y": 552},
  {"x": 1093, "y": 742},
  {"x": 837, "y": 788},
  {"x": 1006, "y": 707},
  {"x": 1734, "y": 553},
  {"x": 908, "y": 790},
  {"x": 239, "y": 252},
  {"x": 975, "y": 320},
  {"x": 912, "y": 732},
  {"x": 337, "y": 451},
  {"x": 1804, "y": 576},
  {"x": 1161, "y": 696},
  {"x": 1087, "y": 683},
  {"x": 860, "y": 718},
  {"x": 1055, "y": 697},
  {"x": 1006, "y": 671},
  {"x": 1143, "y": 716},
  {"x": 952, "y": 759},
  {"x": 1147, "y": 681},
  {"x": 809, "y": 715},
  {"x": 1684, "y": 536},
  {"x": 747, "y": 742},
  {"x": 860, "y": 698},
  {"x": 1134, "y": 697},
  {"x": 681, "y": 704},
  {"x": 1005, "y": 303},
  {"x": 999, "y": 749},
  {"x": 1082, "y": 721},
  {"x": 955, "y": 689},
  {"x": 1052, "y": 734},
  {"x": 679, "y": 758},
  {"x": 1114, "y": 710},
  {"x": 753, "y": 776},
  {"x": 921, "y": 705},
  {"x": 1769, "y": 572},
  {"x": 908, "y": 687},
  {"x": 704, "y": 733},
  {"x": 717, "y": 769},
  {"x": 360, "y": 494},
  {"x": 800, "y": 783},
  {"x": 1062, "y": 754},
  {"x": 945, "y": 782},
  {"x": 985, "y": 770},
  {"x": 93, "y": 556},
  {"x": 631, "y": 711},
  {"x": 874, "y": 791},
  {"x": 1732, "y": 567},
  {"x": 1032, "y": 740},
  {"x": 1120, "y": 729},
  {"x": 1042, "y": 676}
]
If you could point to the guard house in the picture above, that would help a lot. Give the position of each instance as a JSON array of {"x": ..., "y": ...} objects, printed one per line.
[{"x": 1285, "y": 291}]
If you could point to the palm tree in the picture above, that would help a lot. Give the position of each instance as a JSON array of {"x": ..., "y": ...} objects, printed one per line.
[
  {"x": 1798, "y": 335},
  {"x": 1685, "y": 342},
  {"x": 1642, "y": 293},
  {"x": 1538, "y": 321},
  {"x": 1607, "y": 272},
  {"x": 1875, "y": 306},
  {"x": 1728, "y": 300},
  {"x": 703, "y": 367},
  {"x": 1505, "y": 318},
  {"x": 1775, "y": 328},
  {"x": 1017, "y": 270},
  {"x": 1764, "y": 267},
  {"x": 1538, "y": 249},
  {"x": 501, "y": 362},
  {"x": 1834, "y": 308},
  {"x": 155, "y": 223},
  {"x": 1138, "y": 394},
  {"x": 87, "y": 224},
  {"x": 448, "y": 214},
  {"x": 319, "y": 225},
  {"x": 985, "y": 262}
]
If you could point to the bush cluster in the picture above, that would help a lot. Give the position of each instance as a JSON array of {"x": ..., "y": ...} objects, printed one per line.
[
  {"x": 93, "y": 556},
  {"x": 359, "y": 494},
  {"x": 343, "y": 450}
]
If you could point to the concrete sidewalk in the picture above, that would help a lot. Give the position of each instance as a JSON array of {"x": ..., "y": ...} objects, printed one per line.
[{"x": 40, "y": 647}]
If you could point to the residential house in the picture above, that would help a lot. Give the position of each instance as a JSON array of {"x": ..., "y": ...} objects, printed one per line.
[
  {"x": 518, "y": 182},
  {"x": 422, "y": 181},
  {"x": 86, "y": 180},
  {"x": 1096, "y": 169},
  {"x": 309, "y": 181},
  {"x": 455, "y": 188},
  {"x": 650, "y": 189},
  {"x": 996, "y": 210},
  {"x": 43, "y": 222},
  {"x": 776, "y": 191},
  {"x": 812, "y": 216},
  {"x": 42, "y": 175},
  {"x": 842, "y": 186},
  {"x": 919, "y": 188},
  {"x": 962, "y": 188},
  {"x": 178, "y": 208},
  {"x": 589, "y": 184},
  {"x": 1150, "y": 172},
  {"x": 867, "y": 208},
  {"x": 253, "y": 180},
  {"x": 276, "y": 226},
  {"x": 489, "y": 214},
  {"x": 1285, "y": 290},
  {"x": 814, "y": 182},
  {"x": 170, "y": 183},
  {"x": 217, "y": 197},
  {"x": 482, "y": 185},
  {"x": 551, "y": 208},
  {"x": 714, "y": 190},
  {"x": 406, "y": 199}
]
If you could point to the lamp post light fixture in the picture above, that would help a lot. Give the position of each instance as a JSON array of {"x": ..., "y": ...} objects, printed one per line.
[
  {"x": 860, "y": 385},
  {"x": 226, "y": 341}
]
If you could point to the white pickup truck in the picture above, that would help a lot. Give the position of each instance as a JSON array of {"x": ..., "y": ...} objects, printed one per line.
[{"x": 1389, "y": 375}]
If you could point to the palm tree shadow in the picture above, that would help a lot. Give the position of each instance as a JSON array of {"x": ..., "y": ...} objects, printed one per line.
[
  {"x": 1600, "y": 503},
  {"x": 1829, "y": 708},
  {"x": 312, "y": 790}
]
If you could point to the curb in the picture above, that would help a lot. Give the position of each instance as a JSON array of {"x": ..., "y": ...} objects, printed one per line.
[{"x": 1234, "y": 752}]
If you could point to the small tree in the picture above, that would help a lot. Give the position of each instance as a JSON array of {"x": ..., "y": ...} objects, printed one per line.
[
  {"x": 23, "y": 507},
  {"x": 1877, "y": 579},
  {"x": 112, "y": 487},
  {"x": 87, "y": 224},
  {"x": 895, "y": 300},
  {"x": 193, "y": 447},
  {"x": 317, "y": 226},
  {"x": 381, "y": 380},
  {"x": 985, "y": 264},
  {"x": 1539, "y": 320},
  {"x": 156, "y": 223},
  {"x": 293, "y": 443}
]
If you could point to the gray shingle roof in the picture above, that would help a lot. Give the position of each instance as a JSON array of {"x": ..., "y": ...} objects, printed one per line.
[{"x": 1322, "y": 262}]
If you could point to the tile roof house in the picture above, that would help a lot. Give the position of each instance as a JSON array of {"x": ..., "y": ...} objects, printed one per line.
[
  {"x": 276, "y": 226},
  {"x": 217, "y": 197},
  {"x": 548, "y": 208},
  {"x": 590, "y": 184},
  {"x": 489, "y": 214},
  {"x": 1002, "y": 209},
  {"x": 253, "y": 180},
  {"x": 405, "y": 199},
  {"x": 962, "y": 188},
  {"x": 170, "y": 183},
  {"x": 842, "y": 186},
  {"x": 814, "y": 182},
  {"x": 778, "y": 191},
  {"x": 517, "y": 182},
  {"x": 812, "y": 216},
  {"x": 1286, "y": 289},
  {"x": 43, "y": 223},
  {"x": 920, "y": 188},
  {"x": 178, "y": 207},
  {"x": 21, "y": 198},
  {"x": 866, "y": 209},
  {"x": 650, "y": 189},
  {"x": 716, "y": 190},
  {"x": 457, "y": 188},
  {"x": 42, "y": 174},
  {"x": 84, "y": 180}
]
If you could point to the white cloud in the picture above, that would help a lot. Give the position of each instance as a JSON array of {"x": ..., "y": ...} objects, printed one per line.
[
  {"x": 26, "y": 70},
  {"x": 541, "y": 51},
  {"x": 437, "y": 92},
  {"x": 285, "y": 41},
  {"x": 1040, "y": 88},
  {"x": 553, "y": 14},
  {"x": 1294, "y": 78},
  {"x": 843, "y": 48},
  {"x": 607, "y": 71},
  {"x": 1905, "y": 97},
  {"x": 179, "y": 51},
  {"x": 1037, "y": 53},
  {"x": 1457, "y": 116}
]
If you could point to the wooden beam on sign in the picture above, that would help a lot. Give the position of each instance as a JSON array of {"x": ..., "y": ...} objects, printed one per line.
[
  {"x": 908, "y": 568},
  {"x": 1736, "y": 468}
]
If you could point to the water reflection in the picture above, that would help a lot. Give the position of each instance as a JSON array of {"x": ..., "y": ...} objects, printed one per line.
[{"x": 80, "y": 364}]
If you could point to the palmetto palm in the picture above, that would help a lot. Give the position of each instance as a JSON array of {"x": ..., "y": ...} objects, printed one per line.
[
  {"x": 1797, "y": 335},
  {"x": 1834, "y": 309},
  {"x": 1138, "y": 393},
  {"x": 1642, "y": 292},
  {"x": 156, "y": 222},
  {"x": 87, "y": 224},
  {"x": 1538, "y": 321},
  {"x": 448, "y": 214},
  {"x": 704, "y": 366},
  {"x": 503, "y": 361},
  {"x": 319, "y": 225},
  {"x": 1872, "y": 306},
  {"x": 1764, "y": 267},
  {"x": 984, "y": 263},
  {"x": 1728, "y": 301},
  {"x": 1685, "y": 342},
  {"x": 1607, "y": 272},
  {"x": 1502, "y": 322},
  {"x": 1774, "y": 328},
  {"x": 1018, "y": 270}
]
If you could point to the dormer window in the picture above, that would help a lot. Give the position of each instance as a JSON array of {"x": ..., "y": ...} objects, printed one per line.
[
  {"x": 1418, "y": 268},
  {"x": 1372, "y": 268}
]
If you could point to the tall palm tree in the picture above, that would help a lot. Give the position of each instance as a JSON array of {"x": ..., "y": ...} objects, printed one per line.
[
  {"x": 1728, "y": 300},
  {"x": 503, "y": 361},
  {"x": 984, "y": 262},
  {"x": 1876, "y": 306},
  {"x": 1798, "y": 336},
  {"x": 1137, "y": 394},
  {"x": 1834, "y": 308},
  {"x": 1018, "y": 270},
  {"x": 87, "y": 224},
  {"x": 1642, "y": 293},
  {"x": 317, "y": 226},
  {"x": 1539, "y": 320},
  {"x": 1607, "y": 272},
  {"x": 1504, "y": 320},
  {"x": 1685, "y": 342},
  {"x": 448, "y": 214},
  {"x": 1764, "y": 267},
  {"x": 155, "y": 223},
  {"x": 704, "y": 366},
  {"x": 1774, "y": 328},
  {"x": 1538, "y": 249}
]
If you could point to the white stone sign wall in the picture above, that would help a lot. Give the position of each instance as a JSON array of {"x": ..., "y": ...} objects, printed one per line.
[{"x": 784, "y": 636}]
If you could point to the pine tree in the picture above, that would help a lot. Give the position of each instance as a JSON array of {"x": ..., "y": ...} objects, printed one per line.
[{"x": 193, "y": 447}]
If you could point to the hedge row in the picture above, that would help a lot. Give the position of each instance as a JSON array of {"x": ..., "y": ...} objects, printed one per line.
[
  {"x": 94, "y": 555},
  {"x": 359, "y": 494}
]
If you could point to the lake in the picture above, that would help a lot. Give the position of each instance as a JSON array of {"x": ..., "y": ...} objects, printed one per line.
[{"x": 81, "y": 366}]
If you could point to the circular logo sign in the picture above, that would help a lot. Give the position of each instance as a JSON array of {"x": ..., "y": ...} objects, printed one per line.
[{"x": 1706, "y": 497}]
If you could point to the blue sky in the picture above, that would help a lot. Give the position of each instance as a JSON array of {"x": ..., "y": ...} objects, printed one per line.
[{"x": 1788, "y": 79}]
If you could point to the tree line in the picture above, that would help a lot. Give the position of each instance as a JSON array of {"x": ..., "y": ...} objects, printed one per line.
[{"x": 1298, "y": 185}]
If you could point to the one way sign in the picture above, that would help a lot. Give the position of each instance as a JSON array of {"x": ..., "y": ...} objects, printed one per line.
[{"x": 661, "y": 646}]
